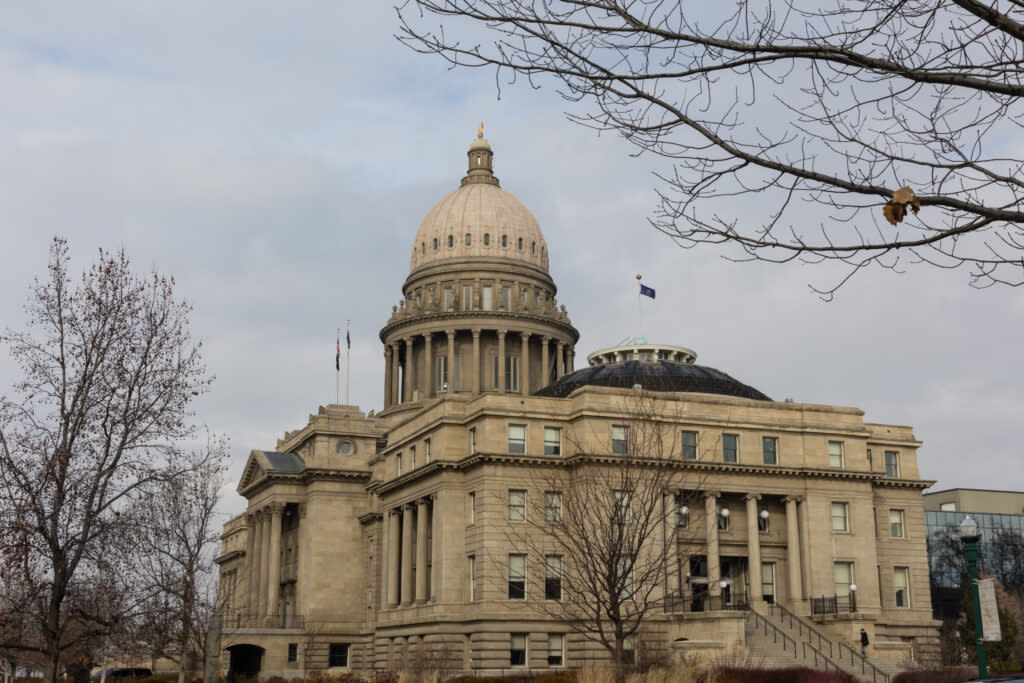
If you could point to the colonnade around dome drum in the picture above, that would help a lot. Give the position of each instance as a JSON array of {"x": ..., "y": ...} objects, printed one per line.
[{"x": 422, "y": 365}]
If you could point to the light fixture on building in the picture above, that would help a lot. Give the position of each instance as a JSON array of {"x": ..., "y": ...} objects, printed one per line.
[
  {"x": 445, "y": 387},
  {"x": 724, "y": 584},
  {"x": 723, "y": 511},
  {"x": 764, "y": 513},
  {"x": 685, "y": 510}
]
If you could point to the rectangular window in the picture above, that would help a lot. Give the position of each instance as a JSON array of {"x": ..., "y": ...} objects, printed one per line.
[
  {"x": 472, "y": 440},
  {"x": 730, "y": 448},
  {"x": 770, "y": 450},
  {"x": 840, "y": 522},
  {"x": 842, "y": 575},
  {"x": 689, "y": 441},
  {"x": 517, "y": 650},
  {"x": 552, "y": 441},
  {"x": 467, "y": 297},
  {"x": 440, "y": 374},
  {"x": 768, "y": 582},
  {"x": 337, "y": 654},
  {"x": 682, "y": 512},
  {"x": 517, "y": 577},
  {"x": 892, "y": 464},
  {"x": 629, "y": 650},
  {"x": 835, "y": 454},
  {"x": 896, "y": 523},
  {"x": 398, "y": 463},
  {"x": 552, "y": 506},
  {"x": 506, "y": 299},
  {"x": 472, "y": 578},
  {"x": 516, "y": 505},
  {"x": 449, "y": 299},
  {"x": 517, "y": 438},
  {"x": 624, "y": 577},
  {"x": 620, "y": 439},
  {"x": 487, "y": 297},
  {"x": 510, "y": 375},
  {"x": 555, "y": 644},
  {"x": 412, "y": 457},
  {"x": 426, "y": 450},
  {"x": 293, "y": 652},
  {"x": 471, "y": 507},
  {"x": 552, "y": 577},
  {"x": 901, "y": 583},
  {"x": 623, "y": 511}
]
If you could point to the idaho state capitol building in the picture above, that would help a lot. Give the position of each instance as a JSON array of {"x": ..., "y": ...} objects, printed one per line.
[{"x": 381, "y": 540}]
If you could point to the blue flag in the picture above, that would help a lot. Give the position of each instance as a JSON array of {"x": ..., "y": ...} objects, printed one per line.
[
  {"x": 646, "y": 291},
  {"x": 348, "y": 340}
]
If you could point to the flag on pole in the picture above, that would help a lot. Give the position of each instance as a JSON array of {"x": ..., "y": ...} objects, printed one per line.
[
  {"x": 646, "y": 291},
  {"x": 348, "y": 340},
  {"x": 337, "y": 356}
]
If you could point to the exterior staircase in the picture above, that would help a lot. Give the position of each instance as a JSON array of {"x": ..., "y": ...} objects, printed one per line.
[{"x": 782, "y": 639}]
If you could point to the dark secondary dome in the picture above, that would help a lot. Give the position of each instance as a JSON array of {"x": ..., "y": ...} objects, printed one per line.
[{"x": 653, "y": 367}]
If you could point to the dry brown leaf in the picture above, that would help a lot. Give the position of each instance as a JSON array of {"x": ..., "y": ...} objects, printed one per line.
[
  {"x": 903, "y": 196},
  {"x": 896, "y": 208}
]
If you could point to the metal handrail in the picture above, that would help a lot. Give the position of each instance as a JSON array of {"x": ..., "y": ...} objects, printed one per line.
[
  {"x": 818, "y": 653},
  {"x": 759, "y": 620},
  {"x": 876, "y": 673},
  {"x": 803, "y": 626}
]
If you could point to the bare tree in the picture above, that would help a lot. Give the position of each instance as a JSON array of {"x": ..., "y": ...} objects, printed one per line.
[
  {"x": 108, "y": 372},
  {"x": 842, "y": 117},
  {"x": 177, "y": 540},
  {"x": 603, "y": 531}
]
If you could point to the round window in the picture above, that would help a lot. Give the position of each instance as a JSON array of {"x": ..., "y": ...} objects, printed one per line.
[{"x": 345, "y": 447}]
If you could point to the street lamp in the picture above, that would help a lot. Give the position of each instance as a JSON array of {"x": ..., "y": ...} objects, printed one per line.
[
  {"x": 853, "y": 598},
  {"x": 969, "y": 535}
]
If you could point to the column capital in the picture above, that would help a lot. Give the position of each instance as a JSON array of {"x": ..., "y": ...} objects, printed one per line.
[
  {"x": 712, "y": 494},
  {"x": 423, "y": 501},
  {"x": 502, "y": 333},
  {"x": 546, "y": 338},
  {"x": 387, "y": 351},
  {"x": 275, "y": 509},
  {"x": 408, "y": 340},
  {"x": 302, "y": 510},
  {"x": 450, "y": 333},
  {"x": 427, "y": 336},
  {"x": 476, "y": 332},
  {"x": 793, "y": 499},
  {"x": 525, "y": 335},
  {"x": 753, "y": 496}
]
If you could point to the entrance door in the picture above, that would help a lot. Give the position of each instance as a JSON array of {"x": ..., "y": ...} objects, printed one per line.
[{"x": 245, "y": 662}]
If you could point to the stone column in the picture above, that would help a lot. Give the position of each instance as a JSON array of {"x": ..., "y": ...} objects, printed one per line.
[
  {"x": 711, "y": 524},
  {"x": 410, "y": 369},
  {"x": 265, "y": 563},
  {"x": 388, "y": 398},
  {"x": 753, "y": 549},
  {"x": 570, "y": 362},
  {"x": 396, "y": 396},
  {"x": 422, "y": 517},
  {"x": 407, "y": 522},
  {"x": 252, "y": 546},
  {"x": 301, "y": 552},
  {"x": 501, "y": 361},
  {"x": 274, "y": 568},
  {"x": 545, "y": 374},
  {"x": 559, "y": 355},
  {"x": 437, "y": 530},
  {"x": 451, "y": 361},
  {"x": 796, "y": 592},
  {"x": 394, "y": 539},
  {"x": 428, "y": 365},
  {"x": 476, "y": 361},
  {"x": 524, "y": 365},
  {"x": 672, "y": 552}
]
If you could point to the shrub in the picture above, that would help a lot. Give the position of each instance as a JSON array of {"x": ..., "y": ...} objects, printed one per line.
[
  {"x": 949, "y": 674},
  {"x": 788, "y": 675}
]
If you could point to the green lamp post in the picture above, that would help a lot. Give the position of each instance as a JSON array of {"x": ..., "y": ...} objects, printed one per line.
[{"x": 969, "y": 535}]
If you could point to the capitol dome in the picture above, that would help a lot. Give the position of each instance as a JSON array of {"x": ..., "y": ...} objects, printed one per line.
[{"x": 479, "y": 220}]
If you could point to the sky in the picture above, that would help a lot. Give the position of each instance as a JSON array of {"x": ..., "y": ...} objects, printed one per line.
[{"x": 277, "y": 158}]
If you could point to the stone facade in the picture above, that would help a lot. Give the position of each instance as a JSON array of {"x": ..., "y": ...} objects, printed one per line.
[{"x": 370, "y": 541}]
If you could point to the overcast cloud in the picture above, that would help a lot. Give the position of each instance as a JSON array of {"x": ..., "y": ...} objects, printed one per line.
[{"x": 277, "y": 159}]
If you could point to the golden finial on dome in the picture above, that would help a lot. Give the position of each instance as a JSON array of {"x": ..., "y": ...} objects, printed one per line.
[{"x": 480, "y": 131}]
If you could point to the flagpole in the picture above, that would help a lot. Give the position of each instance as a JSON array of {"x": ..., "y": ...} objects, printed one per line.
[
  {"x": 639, "y": 305},
  {"x": 337, "y": 369},
  {"x": 348, "y": 359}
]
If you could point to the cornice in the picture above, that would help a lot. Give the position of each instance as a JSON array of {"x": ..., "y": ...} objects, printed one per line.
[
  {"x": 228, "y": 556},
  {"x": 304, "y": 477},
  {"x": 517, "y": 321},
  {"x": 369, "y": 517}
]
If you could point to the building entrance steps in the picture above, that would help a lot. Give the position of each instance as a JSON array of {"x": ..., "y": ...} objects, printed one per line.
[{"x": 784, "y": 639}]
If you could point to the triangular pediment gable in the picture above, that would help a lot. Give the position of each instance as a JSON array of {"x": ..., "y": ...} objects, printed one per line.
[{"x": 255, "y": 471}]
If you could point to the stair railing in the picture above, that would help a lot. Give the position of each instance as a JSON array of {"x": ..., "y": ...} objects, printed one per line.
[
  {"x": 803, "y": 627},
  {"x": 866, "y": 667},
  {"x": 777, "y": 633},
  {"x": 820, "y": 656}
]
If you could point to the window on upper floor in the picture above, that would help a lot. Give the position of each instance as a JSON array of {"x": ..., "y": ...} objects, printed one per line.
[
  {"x": 517, "y": 438},
  {"x": 510, "y": 375},
  {"x": 517, "y": 649},
  {"x": 763, "y": 520},
  {"x": 901, "y": 582},
  {"x": 552, "y": 441},
  {"x": 840, "y": 519},
  {"x": 469, "y": 239},
  {"x": 623, "y": 507},
  {"x": 506, "y": 299},
  {"x": 451, "y": 241},
  {"x": 682, "y": 511},
  {"x": 426, "y": 450},
  {"x": 471, "y": 507},
  {"x": 412, "y": 457},
  {"x": 398, "y": 464},
  {"x": 472, "y": 578},
  {"x": 552, "y": 577},
  {"x": 730, "y": 448},
  {"x": 835, "y": 454},
  {"x": 896, "y": 529},
  {"x": 842, "y": 577},
  {"x": 517, "y": 577},
  {"x": 552, "y": 507},
  {"x": 723, "y": 518},
  {"x": 770, "y": 450},
  {"x": 516, "y": 505},
  {"x": 620, "y": 439},
  {"x": 467, "y": 298},
  {"x": 892, "y": 464},
  {"x": 472, "y": 440},
  {"x": 487, "y": 292},
  {"x": 689, "y": 443},
  {"x": 556, "y": 644}
]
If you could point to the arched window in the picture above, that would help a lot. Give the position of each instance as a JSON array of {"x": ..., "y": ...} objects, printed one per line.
[
  {"x": 451, "y": 241},
  {"x": 423, "y": 247},
  {"x": 520, "y": 244},
  {"x": 435, "y": 244},
  {"x": 533, "y": 247},
  {"x": 504, "y": 240},
  {"x": 487, "y": 239},
  {"x": 469, "y": 239}
]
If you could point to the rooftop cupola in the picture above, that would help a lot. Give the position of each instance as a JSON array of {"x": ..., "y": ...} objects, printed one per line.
[{"x": 481, "y": 161}]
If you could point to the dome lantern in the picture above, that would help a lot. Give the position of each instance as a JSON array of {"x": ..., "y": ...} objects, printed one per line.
[{"x": 481, "y": 161}]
